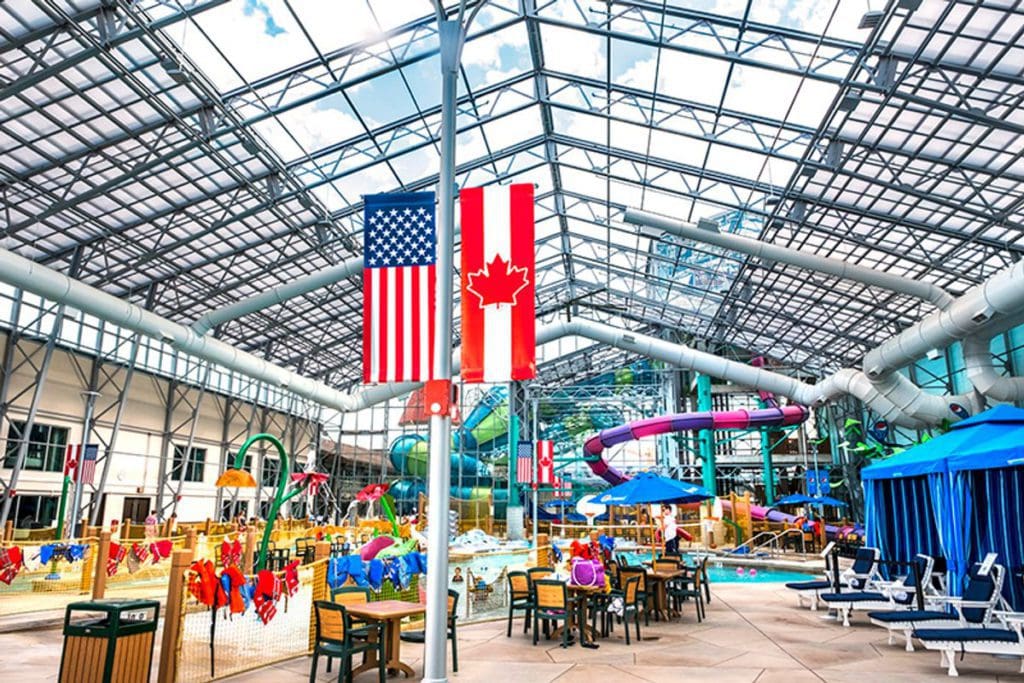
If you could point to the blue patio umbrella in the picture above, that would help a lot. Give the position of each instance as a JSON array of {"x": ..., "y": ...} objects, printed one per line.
[
  {"x": 648, "y": 488},
  {"x": 801, "y": 499}
]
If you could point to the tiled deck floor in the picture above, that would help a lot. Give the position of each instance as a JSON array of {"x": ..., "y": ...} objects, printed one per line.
[{"x": 753, "y": 632}]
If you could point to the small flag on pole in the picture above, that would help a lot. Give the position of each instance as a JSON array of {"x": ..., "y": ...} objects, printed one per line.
[
  {"x": 71, "y": 453},
  {"x": 563, "y": 488},
  {"x": 87, "y": 466},
  {"x": 524, "y": 462},
  {"x": 399, "y": 255},
  {"x": 546, "y": 462}
]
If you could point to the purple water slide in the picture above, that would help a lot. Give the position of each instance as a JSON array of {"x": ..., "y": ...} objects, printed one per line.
[{"x": 777, "y": 416}]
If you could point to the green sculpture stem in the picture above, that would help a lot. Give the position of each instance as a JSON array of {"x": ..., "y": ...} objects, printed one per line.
[
  {"x": 280, "y": 498},
  {"x": 389, "y": 512}
]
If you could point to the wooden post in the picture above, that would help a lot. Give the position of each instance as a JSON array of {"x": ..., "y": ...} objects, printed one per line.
[
  {"x": 543, "y": 550},
  {"x": 190, "y": 538},
  {"x": 99, "y": 581},
  {"x": 249, "y": 550},
  {"x": 126, "y": 529},
  {"x": 206, "y": 527},
  {"x": 173, "y": 612},
  {"x": 9, "y": 531},
  {"x": 321, "y": 551}
]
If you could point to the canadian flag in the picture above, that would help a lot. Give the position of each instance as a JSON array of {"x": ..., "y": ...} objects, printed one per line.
[
  {"x": 498, "y": 318},
  {"x": 545, "y": 462}
]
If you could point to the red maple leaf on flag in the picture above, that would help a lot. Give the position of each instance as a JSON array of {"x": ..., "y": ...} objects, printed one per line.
[{"x": 499, "y": 282}]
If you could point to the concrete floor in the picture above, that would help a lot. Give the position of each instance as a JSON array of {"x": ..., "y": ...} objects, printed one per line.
[{"x": 754, "y": 632}]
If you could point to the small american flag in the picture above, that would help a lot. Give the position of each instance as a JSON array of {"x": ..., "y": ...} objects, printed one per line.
[
  {"x": 524, "y": 462},
  {"x": 399, "y": 253},
  {"x": 87, "y": 466}
]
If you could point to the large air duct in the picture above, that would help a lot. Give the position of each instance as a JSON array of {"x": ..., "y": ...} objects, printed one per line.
[
  {"x": 895, "y": 398},
  {"x": 847, "y": 271},
  {"x": 48, "y": 283},
  {"x": 965, "y": 319},
  {"x": 278, "y": 295}
]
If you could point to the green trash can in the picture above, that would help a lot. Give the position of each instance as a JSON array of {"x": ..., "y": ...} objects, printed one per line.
[{"x": 109, "y": 641}]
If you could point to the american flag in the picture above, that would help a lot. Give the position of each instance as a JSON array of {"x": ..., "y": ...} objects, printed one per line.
[
  {"x": 87, "y": 465},
  {"x": 524, "y": 462},
  {"x": 563, "y": 488},
  {"x": 399, "y": 253}
]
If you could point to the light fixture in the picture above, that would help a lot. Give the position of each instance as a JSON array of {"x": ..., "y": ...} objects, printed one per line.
[
  {"x": 871, "y": 19},
  {"x": 707, "y": 224},
  {"x": 934, "y": 354},
  {"x": 174, "y": 70},
  {"x": 849, "y": 101}
]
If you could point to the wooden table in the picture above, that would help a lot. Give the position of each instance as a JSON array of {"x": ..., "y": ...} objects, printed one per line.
[
  {"x": 390, "y": 613},
  {"x": 587, "y": 633},
  {"x": 659, "y": 579}
]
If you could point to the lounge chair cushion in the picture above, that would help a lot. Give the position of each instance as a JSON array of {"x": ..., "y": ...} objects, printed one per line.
[
  {"x": 819, "y": 585},
  {"x": 854, "y": 596},
  {"x": 1001, "y": 635},
  {"x": 912, "y": 616}
]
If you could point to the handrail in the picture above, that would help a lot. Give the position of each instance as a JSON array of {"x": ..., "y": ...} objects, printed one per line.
[{"x": 772, "y": 541}]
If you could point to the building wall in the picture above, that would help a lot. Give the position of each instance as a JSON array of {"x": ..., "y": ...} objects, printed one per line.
[{"x": 135, "y": 468}]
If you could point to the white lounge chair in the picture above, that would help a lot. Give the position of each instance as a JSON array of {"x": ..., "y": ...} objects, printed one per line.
[
  {"x": 898, "y": 595},
  {"x": 982, "y": 596},
  {"x": 862, "y": 573},
  {"x": 1006, "y": 637}
]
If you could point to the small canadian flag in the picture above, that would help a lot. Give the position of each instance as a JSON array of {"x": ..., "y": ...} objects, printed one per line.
[{"x": 498, "y": 318}]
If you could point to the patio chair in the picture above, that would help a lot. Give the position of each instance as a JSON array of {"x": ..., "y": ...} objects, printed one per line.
[
  {"x": 629, "y": 572},
  {"x": 351, "y": 595},
  {"x": 858, "y": 576},
  {"x": 453, "y": 616},
  {"x": 1006, "y": 639},
  {"x": 337, "y": 637},
  {"x": 689, "y": 586},
  {"x": 981, "y": 597},
  {"x": 519, "y": 599},
  {"x": 552, "y": 604},
  {"x": 890, "y": 595},
  {"x": 632, "y": 604}
]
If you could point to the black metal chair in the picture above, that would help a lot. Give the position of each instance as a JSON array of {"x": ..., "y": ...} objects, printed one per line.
[{"x": 453, "y": 616}]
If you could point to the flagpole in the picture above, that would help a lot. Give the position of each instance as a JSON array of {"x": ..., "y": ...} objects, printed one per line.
[{"x": 435, "y": 669}]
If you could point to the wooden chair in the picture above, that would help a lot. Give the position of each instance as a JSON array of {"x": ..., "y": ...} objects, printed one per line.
[
  {"x": 665, "y": 565},
  {"x": 453, "y": 615},
  {"x": 519, "y": 598},
  {"x": 337, "y": 637},
  {"x": 628, "y": 572},
  {"x": 351, "y": 595},
  {"x": 690, "y": 586},
  {"x": 552, "y": 604},
  {"x": 632, "y": 604}
]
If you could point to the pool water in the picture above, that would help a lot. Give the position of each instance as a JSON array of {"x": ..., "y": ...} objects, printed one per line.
[{"x": 488, "y": 567}]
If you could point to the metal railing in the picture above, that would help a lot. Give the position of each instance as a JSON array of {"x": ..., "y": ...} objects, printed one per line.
[{"x": 772, "y": 542}]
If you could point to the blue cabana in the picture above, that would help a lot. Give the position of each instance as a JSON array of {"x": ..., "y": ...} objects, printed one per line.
[{"x": 929, "y": 498}]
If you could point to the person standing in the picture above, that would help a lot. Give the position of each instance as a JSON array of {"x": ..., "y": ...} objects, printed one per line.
[
  {"x": 151, "y": 521},
  {"x": 669, "y": 530}
]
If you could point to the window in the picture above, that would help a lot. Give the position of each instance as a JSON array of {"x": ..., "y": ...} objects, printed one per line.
[
  {"x": 46, "y": 445},
  {"x": 196, "y": 464},
  {"x": 34, "y": 512},
  {"x": 229, "y": 511},
  {"x": 270, "y": 471}
]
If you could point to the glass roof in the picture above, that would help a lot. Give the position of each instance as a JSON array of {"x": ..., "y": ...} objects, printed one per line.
[{"x": 200, "y": 151}]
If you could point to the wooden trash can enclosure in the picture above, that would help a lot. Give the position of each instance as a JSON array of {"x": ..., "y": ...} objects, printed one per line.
[{"x": 109, "y": 641}]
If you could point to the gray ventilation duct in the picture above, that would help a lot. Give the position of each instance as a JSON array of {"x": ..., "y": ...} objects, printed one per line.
[
  {"x": 278, "y": 295},
  {"x": 967, "y": 319},
  {"x": 847, "y": 271},
  {"x": 894, "y": 397}
]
